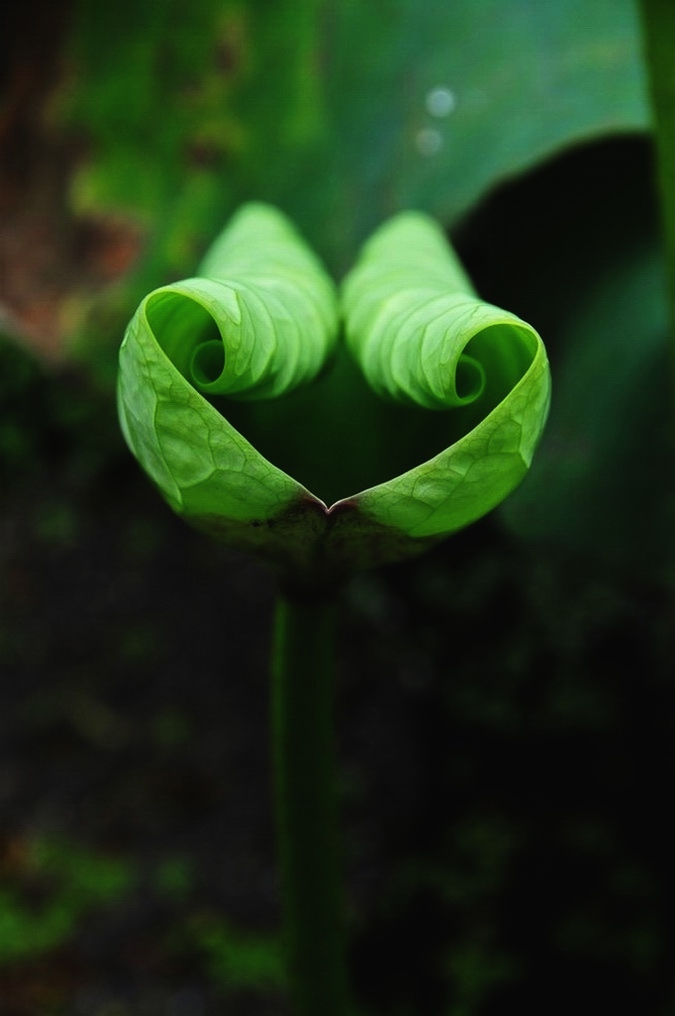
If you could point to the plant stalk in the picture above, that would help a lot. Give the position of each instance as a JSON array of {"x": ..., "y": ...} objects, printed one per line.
[
  {"x": 658, "y": 25},
  {"x": 304, "y": 771}
]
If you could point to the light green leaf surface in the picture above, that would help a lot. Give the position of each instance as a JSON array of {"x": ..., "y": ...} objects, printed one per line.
[
  {"x": 260, "y": 320},
  {"x": 416, "y": 326},
  {"x": 420, "y": 333}
]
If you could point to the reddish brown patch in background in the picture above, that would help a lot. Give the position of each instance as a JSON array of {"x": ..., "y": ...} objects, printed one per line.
[{"x": 49, "y": 260}]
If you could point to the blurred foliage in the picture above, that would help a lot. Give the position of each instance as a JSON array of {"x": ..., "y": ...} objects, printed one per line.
[
  {"x": 55, "y": 885},
  {"x": 505, "y": 821},
  {"x": 50, "y": 887},
  {"x": 599, "y": 485},
  {"x": 52, "y": 421},
  {"x": 341, "y": 114},
  {"x": 235, "y": 959}
]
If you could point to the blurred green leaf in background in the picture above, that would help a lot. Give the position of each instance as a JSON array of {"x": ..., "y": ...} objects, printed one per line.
[{"x": 342, "y": 114}]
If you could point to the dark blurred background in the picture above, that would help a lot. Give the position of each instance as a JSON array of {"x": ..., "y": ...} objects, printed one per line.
[{"x": 506, "y": 702}]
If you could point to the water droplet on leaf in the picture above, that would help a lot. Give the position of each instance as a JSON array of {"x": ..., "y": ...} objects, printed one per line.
[
  {"x": 440, "y": 101},
  {"x": 428, "y": 141}
]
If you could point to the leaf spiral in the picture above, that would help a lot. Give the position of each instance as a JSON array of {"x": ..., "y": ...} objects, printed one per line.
[
  {"x": 259, "y": 318},
  {"x": 417, "y": 328}
]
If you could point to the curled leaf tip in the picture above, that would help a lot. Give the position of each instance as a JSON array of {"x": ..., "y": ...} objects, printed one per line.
[
  {"x": 259, "y": 320},
  {"x": 416, "y": 326}
]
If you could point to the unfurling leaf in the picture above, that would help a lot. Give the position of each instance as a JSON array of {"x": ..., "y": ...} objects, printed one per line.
[
  {"x": 259, "y": 320},
  {"x": 421, "y": 334},
  {"x": 416, "y": 326}
]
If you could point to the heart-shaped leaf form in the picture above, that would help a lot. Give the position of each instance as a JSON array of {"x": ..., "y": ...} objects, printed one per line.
[{"x": 261, "y": 319}]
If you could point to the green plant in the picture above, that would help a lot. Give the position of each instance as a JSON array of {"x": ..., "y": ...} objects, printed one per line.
[
  {"x": 78, "y": 881},
  {"x": 451, "y": 102},
  {"x": 259, "y": 320}
]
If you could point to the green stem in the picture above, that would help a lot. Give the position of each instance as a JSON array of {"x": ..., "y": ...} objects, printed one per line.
[
  {"x": 302, "y": 716},
  {"x": 658, "y": 21}
]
